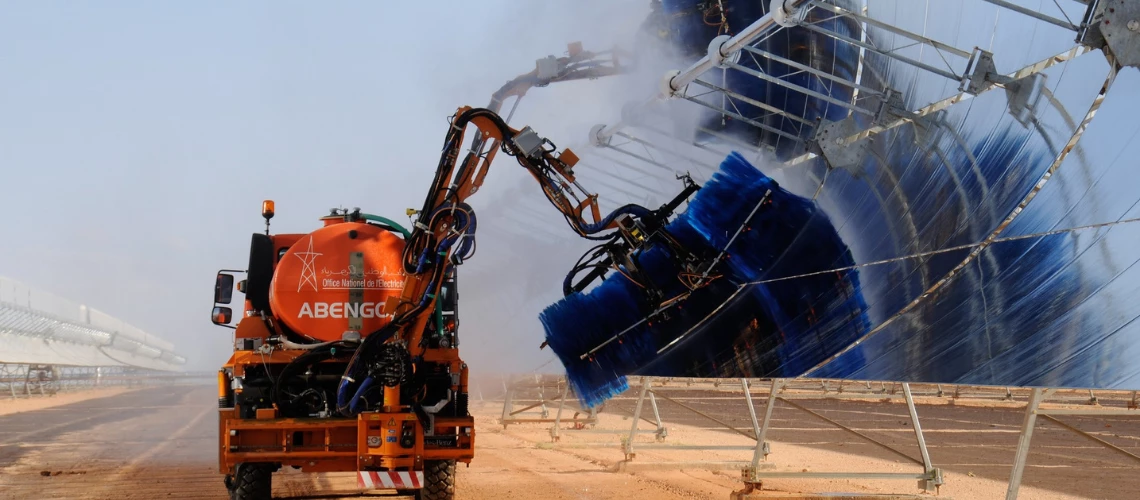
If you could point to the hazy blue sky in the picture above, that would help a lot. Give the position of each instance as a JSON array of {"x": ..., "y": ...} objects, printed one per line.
[{"x": 137, "y": 139}]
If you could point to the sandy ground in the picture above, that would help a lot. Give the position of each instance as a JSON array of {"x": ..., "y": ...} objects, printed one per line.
[
  {"x": 9, "y": 406},
  {"x": 161, "y": 443}
]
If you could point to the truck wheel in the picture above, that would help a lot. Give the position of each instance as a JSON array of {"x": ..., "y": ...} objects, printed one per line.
[
  {"x": 439, "y": 480},
  {"x": 252, "y": 482}
]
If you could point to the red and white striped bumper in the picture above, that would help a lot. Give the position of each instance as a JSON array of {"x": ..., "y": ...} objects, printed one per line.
[{"x": 400, "y": 480}]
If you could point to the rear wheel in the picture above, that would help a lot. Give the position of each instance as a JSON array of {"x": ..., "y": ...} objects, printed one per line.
[
  {"x": 439, "y": 480},
  {"x": 252, "y": 482}
]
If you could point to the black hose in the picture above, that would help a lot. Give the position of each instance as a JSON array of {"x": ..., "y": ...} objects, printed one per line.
[{"x": 315, "y": 355}]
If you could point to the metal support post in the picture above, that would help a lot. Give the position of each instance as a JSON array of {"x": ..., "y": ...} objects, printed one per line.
[
  {"x": 507, "y": 402},
  {"x": 762, "y": 448},
  {"x": 627, "y": 447},
  {"x": 541, "y": 395},
  {"x": 1023, "y": 444},
  {"x": 661, "y": 432},
  {"x": 558, "y": 417},
  {"x": 929, "y": 479},
  {"x": 934, "y": 476}
]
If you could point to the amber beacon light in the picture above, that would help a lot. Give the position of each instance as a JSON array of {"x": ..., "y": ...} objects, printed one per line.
[{"x": 267, "y": 212}]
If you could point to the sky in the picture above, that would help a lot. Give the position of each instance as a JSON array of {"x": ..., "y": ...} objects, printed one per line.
[{"x": 138, "y": 140}]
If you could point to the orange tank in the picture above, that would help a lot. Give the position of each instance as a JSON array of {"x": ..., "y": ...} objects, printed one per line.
[{"x": 338, "y": 279}]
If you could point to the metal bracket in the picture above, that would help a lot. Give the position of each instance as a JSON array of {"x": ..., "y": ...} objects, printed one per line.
[
  {"x": 1120, "y": 26},
  {"x": 784, "y": 17},
  {"x": 547, "y": 69},
  {"x": 1024, "y": 95},
  {"x": 932, "y": 482},
  {"x": 1089, "y": 33},
  {"x": 891, "y": 108},
  {"x": 981, "y": 73},
  {"x": 829, "y": 138}
]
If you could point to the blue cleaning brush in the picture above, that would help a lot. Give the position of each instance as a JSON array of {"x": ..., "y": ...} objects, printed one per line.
[{"x": 733, "y": 326}]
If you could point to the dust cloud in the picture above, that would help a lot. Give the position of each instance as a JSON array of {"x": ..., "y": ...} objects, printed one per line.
[{"x": 525, "y": 247}]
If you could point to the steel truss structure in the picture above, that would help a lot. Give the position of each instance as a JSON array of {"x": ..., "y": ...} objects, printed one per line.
[
  {"x": 37, "y": 380},
  {"x": 761, "y": 398},
  {"x": 971, "y": 69},
  {"x": 535, "y": 387},
  {"x": 642, "y": 140},
  {"x": 943, "y": 99},
  {"x": 911, "y": 157}
]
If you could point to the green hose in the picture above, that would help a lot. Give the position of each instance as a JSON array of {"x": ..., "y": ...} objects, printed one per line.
[{"x": 387, "y": 221}]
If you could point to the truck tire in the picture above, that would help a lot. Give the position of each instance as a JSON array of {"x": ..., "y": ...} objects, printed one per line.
[
  {"x": 439, "y": 480},
  {"x": 252, "y": 482}
]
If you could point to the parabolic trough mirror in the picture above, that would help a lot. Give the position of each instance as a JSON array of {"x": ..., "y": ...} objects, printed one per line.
[
  {"x": 978, "y": 159},
  {"x": 40, "y": 328}
]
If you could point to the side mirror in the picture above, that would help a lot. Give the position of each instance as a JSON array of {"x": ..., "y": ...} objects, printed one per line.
[
  {"x": 221, "y": 315},
  {"x": 224, "y": 288}
]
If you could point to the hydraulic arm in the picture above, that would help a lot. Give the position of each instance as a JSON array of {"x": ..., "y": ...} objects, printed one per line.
[{"x": 444, "y": 229}]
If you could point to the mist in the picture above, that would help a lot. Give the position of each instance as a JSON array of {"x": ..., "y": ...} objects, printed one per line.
[{"x": 137, "y": 142}]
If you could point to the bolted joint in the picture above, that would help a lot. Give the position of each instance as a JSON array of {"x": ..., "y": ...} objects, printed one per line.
[
  {"x": 785, "y": 17},
  {"x": 1119, "y": 28},
  {"x": 666, "y": 86},
  {"x": 719, "y": 58}
]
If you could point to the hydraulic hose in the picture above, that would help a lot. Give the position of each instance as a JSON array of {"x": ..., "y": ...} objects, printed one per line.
[
  {"x": 351, "y": 372},
  {"x": 294, "y": 345},
  {"x": 315, "y": 355},
  {"x": 354, "y": 403},
  {"x": 384, "y": 220}
]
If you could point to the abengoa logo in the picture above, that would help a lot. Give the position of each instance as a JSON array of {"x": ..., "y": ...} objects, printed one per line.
[{"x": 342, "y": 310}]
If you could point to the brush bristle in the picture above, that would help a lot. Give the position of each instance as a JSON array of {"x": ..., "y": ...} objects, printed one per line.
[
  {"x": 787, "y": 320},
  {"x": 579, "y": 322}
]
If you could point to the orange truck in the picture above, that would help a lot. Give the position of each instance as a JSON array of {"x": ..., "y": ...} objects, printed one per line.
[
  {"x": 309, "y": 301},
  {"x": 346, "y": 353}
]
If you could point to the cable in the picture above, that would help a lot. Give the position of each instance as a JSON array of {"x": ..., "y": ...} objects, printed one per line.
[{"x": 948, "y": 250}]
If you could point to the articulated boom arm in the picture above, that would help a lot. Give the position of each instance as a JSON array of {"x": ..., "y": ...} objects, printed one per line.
[
  {"x": 577, "y": 65},
  {"x": 444, "y": 231}
]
